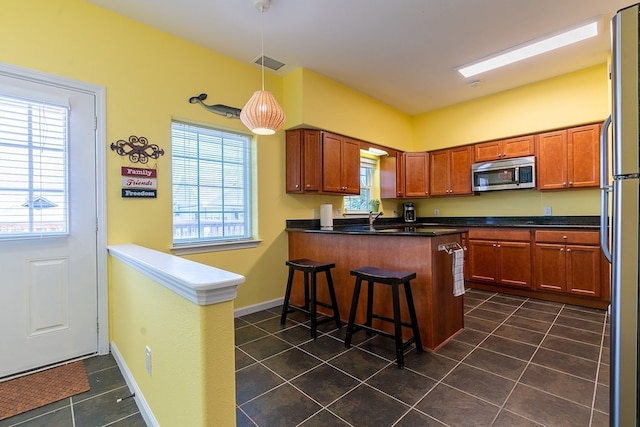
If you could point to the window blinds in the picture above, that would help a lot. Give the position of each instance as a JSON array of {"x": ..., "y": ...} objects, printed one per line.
[{"x": 33, "y": 169}]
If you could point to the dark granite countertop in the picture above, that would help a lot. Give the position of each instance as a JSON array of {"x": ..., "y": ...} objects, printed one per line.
[
  {"x": 433, "y": 226},
  {"x": 424, "y": 230}
]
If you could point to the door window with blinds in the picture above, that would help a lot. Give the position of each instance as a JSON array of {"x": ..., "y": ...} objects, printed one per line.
[
  {"x": 33, "y": 169},
  {"x": 211, "y": 179}
]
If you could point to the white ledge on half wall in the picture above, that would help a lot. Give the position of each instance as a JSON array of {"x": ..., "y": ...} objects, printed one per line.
[{"x": 199, "y": 283}]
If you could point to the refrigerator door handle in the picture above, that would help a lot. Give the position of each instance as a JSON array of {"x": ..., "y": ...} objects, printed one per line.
[{"x": 605, "y": 188}]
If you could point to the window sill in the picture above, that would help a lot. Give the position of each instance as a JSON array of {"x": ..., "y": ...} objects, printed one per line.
[
  {"x": 214, "y": 247},
  {"x": 356, "y": 214}
]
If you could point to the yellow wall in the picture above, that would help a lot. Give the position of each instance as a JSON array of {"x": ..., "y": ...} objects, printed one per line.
[
  {"x": 571, "y": 99},
  {"x": 325, "y": 104},
  {"x": 192, "y": 377}
]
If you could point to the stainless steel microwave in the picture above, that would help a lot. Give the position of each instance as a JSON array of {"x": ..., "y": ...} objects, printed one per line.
[{"x": 508, "y": 174}]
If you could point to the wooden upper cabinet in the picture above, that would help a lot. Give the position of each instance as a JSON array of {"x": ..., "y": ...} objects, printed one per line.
[
  {"x": 303, "y": 167},
  {"x": 340, "y": 164},
  {"x": 505, "y": 148},
  {"x": 391, "y": 178},
  {"x": 450, "y": 171},
  {"x": 584, "y": 156},
  {"x": 552, "y": 160},
  {"x": 569, "y": 158},
  {"x": 416, "y": 174}
]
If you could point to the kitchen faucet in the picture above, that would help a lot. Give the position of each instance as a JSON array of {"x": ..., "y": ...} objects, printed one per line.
[{"x": 372, "y": 217}]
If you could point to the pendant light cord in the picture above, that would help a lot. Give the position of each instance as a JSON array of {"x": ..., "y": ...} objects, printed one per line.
[{"x": 262, "y": 45}]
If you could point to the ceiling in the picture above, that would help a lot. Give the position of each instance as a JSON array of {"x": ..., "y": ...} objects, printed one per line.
[{"x": 402, "y": 52}]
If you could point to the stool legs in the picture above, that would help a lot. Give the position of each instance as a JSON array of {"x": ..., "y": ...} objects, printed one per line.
[
  {"x": 352, "y": 313},
  {"x": 311, "y": 268},
  {"x": 334, "y": 300},
  {"x": 395, "y": 280},
  {"x": 414, "y": 318},
  {"x": 312, "y": 310},
  {"x": 287, "y": 295},
  {"x": 397, "y": 326}
]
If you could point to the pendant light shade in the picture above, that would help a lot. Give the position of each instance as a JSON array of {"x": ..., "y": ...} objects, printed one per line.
[{"x": 262, "y": 114}]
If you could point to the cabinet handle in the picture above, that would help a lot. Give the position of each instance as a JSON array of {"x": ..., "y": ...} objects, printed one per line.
[
  {"x": 561, "y": 249},
  {"x": 498, "y": 245},
  {"x": 494, "y": 245},
  {"x": 568, "y": 250},
  {"x": 570, "y": 182},
  {"x": 297, "y": 186},
  {"x": 564, "y": 184},
  {"x": 504, "y": 154},
  {"x": 308, "y": 185},
  {"x": 564, "y": 237}
]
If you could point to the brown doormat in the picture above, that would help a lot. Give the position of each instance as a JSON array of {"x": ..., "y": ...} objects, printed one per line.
[{"x": 32, "y": 391}]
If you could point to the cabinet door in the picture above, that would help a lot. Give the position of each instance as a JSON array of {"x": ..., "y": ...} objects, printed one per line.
[
  {"x": 439, "y": 172},
  {"x": 552, "y": 160},
  {"x": 485, "y": 151},
  {"x": 583, "y": 270},
  {"x": 416, "y": 172},
  {"x": 331, "y": 163},
  {"x": 550, "y": 267},
  {"x": 293, "y": 154},
  {"x": 584, "y": 156},
  {"x": 460, "y": 170},
  {"x": 482, "y": 260},
  {"x": 518, "y": 147},
  {"x": 350, "y": 166},
  {"x": 388, "y": 177},
  {"x": 311, "y": 167},
  {"x": 514, "y": 264}
]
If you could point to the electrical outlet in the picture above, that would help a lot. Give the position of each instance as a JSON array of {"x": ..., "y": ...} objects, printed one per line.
[
  {"x": 337, "y": 213},
  {"x": 314, "y": 214},
  {"x": 147, "y": 356},
  {"x": 436, "y": 212},
  {"x": 547, "y": 211}
]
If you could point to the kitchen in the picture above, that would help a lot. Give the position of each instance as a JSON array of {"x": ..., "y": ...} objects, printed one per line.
[{"x": 570, "y": 99}]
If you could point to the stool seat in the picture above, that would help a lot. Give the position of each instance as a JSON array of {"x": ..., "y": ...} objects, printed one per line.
[
  {"x": 381, "y": 275},
  {"x": 310, "y": 268},
  {"x": 395, "y": 279},
  {"x": 305, "y": 264}
]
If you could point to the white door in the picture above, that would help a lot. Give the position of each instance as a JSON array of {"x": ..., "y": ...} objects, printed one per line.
[{"x": 48, "y": 266}]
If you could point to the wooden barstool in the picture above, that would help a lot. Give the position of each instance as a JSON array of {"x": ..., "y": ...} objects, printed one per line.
[
  {"x": 310, "y": 268},
  {"x": 395, "y": 279}
]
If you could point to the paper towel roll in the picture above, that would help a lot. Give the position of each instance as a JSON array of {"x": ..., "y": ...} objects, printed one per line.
[{"x": 326, "y": 217}]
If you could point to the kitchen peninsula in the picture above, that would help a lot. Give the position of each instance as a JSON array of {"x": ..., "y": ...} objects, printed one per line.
[{"x": 417, "y": 248}]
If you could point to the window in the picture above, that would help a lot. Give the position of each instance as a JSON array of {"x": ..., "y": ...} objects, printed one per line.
[
  {"x": 211, "y": 175},
  {"x": 361, "y": 203},
  {"x": 33, "y": 169}
]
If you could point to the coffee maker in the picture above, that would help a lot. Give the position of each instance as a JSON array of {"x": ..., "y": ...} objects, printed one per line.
[{"x": 408, "y": 212}]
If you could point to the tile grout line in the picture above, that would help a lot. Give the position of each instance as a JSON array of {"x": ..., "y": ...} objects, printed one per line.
[{"x": 595, "y": 388}]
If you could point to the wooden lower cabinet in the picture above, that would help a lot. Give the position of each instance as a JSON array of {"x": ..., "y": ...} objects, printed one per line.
[
  {"x": 552, "y": 264},
  {"x": 563, "y": 266},
  {"x": 500, "y": 256}
]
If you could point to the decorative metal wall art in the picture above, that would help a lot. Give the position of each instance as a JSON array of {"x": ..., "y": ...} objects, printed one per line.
[{"x": 138, "y": 149}]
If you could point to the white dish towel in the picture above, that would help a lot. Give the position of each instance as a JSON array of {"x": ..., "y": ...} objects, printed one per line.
[{"x": 458, "y": 273}]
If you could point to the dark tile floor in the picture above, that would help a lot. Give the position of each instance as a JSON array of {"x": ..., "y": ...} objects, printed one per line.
[
  {"x": 97, "y": 407},
  {"x": 519, "y": 362}
]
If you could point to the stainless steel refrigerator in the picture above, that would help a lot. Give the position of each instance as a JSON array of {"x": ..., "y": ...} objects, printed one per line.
[{"x": 620, "y": 216}]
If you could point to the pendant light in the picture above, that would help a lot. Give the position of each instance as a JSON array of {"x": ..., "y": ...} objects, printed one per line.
[{"x": 262, "y": 114}]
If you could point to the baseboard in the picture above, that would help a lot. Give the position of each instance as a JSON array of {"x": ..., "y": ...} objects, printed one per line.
[
  {"x": 257, "y": 307},
  {"x": 145, "y": 409}
]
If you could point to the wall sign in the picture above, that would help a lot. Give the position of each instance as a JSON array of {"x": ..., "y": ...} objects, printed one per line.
[{"x": 139, "y": 182}]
